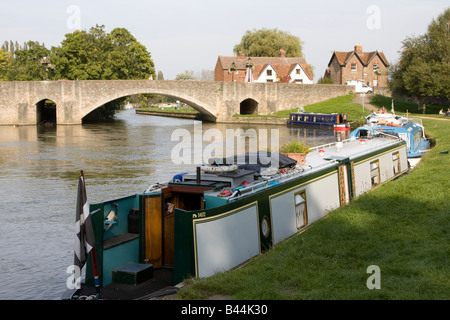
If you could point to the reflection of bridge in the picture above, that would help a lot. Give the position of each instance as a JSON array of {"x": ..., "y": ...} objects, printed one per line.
[{"x": 216, "y": 101}]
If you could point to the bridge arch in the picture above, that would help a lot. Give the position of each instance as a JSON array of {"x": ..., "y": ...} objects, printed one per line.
[
  {"x": 46, "y": 111},
  {"x": 193, "y": 102},
  {"x": 248, "y": 106}
]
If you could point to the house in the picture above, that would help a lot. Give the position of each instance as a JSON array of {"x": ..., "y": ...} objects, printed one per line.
[
  {"x": 369, "y": 67},
  {"x": 265, "y": 69}
]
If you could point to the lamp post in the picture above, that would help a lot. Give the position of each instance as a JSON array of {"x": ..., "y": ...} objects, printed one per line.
[
  {"x": 46, "y": 65},
  {"x": 232, "y": 70}
]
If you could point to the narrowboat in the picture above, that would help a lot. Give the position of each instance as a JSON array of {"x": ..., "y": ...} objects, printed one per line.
[
  {"x": 411, "y": 132},
  {"x": 338, "y": 121},
  {"x": 212, "y": 220}
]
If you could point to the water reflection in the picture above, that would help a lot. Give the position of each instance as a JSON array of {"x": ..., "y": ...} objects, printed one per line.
[{"x": 40, "y": 168}]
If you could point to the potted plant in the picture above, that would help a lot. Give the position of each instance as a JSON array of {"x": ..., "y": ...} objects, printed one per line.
[{"x": 295, "y": 150}]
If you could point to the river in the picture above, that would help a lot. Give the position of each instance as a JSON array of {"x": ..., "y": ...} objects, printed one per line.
[{"x": 40, "y": 167}]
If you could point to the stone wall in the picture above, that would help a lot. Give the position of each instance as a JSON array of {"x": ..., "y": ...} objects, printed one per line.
[{"x": 216, "y": 101}]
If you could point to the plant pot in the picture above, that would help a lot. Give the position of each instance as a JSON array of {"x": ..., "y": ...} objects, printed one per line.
[{"x": 300, "y": 157}]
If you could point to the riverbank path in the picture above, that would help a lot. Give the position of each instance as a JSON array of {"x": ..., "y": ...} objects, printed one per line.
[{"x": 366, "y": 98}]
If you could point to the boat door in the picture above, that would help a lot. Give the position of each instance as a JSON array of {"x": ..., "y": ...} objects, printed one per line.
[
  {"x": 346, "y": 181},
  {"x": 159, "y": 229}
]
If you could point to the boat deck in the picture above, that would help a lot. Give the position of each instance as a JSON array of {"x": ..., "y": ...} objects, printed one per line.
[{"x": 160, "y": 284}]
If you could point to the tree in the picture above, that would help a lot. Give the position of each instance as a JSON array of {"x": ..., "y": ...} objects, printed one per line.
[
  {"x": 268, "y": 42},
  {"x": 4, "y": 62},
  {"x": 185, "y": 76},
  {"x": 26, "y": 62},
  {"x": 424, "y": 66},
  {"x": 96, "y": 55}
]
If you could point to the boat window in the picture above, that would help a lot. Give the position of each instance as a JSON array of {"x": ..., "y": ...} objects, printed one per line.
[
  {"x": 375, "y": 172},
  {"x": 301, "y": 215},
  {"x": 396, "y": 162}
]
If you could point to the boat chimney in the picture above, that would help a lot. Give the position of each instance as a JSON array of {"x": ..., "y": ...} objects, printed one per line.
[{"x": 198, "y": 175}]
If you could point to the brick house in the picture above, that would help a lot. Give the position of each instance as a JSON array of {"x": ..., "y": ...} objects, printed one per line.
[
  {"x": 266, "y": 69},
  {"x": 369, "y": 67}
]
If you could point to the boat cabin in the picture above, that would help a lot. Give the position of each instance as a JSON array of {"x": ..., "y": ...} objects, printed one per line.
[{"x": 411, "y": 132}]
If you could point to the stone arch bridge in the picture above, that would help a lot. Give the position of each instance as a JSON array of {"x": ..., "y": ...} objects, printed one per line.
[{"x": 216, "y": 101}]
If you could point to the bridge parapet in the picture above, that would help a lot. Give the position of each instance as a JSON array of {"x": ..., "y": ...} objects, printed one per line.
[{"x": 216, "y": 101}]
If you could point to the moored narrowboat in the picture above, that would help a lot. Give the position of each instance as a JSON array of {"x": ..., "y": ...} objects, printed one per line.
[
  {"x": 211, "y": 221},
  {"x": 338, "y": 121},
  {"x": 411, "y": 132}
]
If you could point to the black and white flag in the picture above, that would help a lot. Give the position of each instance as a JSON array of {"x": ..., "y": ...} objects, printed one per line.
[{"x": 84, "y": 233}]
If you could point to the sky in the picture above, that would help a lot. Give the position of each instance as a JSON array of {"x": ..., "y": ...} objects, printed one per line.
[{"x": 190, "y": 34}]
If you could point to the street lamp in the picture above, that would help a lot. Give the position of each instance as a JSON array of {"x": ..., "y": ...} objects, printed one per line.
[
  {"x": 47, "y": 65},
  {"x": 232, "y": 70}
]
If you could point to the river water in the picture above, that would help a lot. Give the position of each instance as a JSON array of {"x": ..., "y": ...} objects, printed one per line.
[{"x": 40, "y": 167}]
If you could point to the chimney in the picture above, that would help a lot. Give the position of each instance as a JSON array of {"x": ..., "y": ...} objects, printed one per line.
[
  {"x": 282, "y": 53},
  {"x": 359, "y": 48}
]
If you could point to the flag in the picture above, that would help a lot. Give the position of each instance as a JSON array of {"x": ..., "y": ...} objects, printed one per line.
[
  {"x": 392, "y": 106},
  {"x": 84, "y": 233}
]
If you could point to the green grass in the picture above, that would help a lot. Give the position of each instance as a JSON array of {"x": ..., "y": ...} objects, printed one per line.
[
  {"x": 401, "y": 106},
  {"x": 402, "y": 227},
  {"x": 341, "y": 104}
]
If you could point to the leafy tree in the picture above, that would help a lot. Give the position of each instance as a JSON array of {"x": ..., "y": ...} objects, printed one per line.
[
  {"x": 96, "y": 55},
  {"x": 26, "y": 62},
  {"x": 185, "y": 76},
  {"x": 268, "y": 42},
  {"x": 4, "y": 62},
  {"x": 424, "y": 66}
]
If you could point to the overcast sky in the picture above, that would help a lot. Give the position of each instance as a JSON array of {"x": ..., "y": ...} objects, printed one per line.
[{"x": 190, "y": 34}]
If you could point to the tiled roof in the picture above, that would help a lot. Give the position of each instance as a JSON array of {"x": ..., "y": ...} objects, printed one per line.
[
  {"x": 365, "y": 57},
  {"x": 281, "y": 65}
]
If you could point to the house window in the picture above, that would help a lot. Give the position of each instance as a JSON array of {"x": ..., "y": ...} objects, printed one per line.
[
  {"x": 299, "y": 81},
  {"x": 375, "y": 172},
  {"x": 301, "y": 213},
  {"x": 269, "y": 80},
  {"x": 269, "y": 72},
  {"x": 297, "y": 71},
  {"x": 396, "y": 162},
  {"x": 375, "y": 66},
  {"x": 353, "y": 66}
]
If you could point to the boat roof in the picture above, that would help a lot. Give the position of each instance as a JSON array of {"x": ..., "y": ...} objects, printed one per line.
[
  {"x": 317, "y": 113},
  {"x": 320, "y": 158}
]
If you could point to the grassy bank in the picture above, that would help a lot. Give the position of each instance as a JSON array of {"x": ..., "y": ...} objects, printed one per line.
[
  {"x": 170, "y": 109},
  {"x": 401, "y": 107},
  {"x": 402, "y": 227},
  {"x": 343, "y": 104}
]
